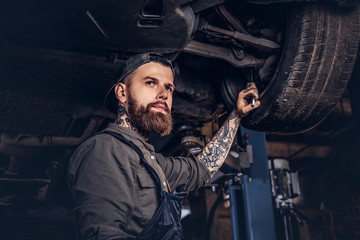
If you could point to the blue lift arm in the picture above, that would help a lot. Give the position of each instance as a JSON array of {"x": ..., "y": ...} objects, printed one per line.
[{"x": 252, "y": 212}]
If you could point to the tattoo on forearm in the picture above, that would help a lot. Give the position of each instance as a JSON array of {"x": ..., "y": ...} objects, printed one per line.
[{"x": 216, "y": 150}]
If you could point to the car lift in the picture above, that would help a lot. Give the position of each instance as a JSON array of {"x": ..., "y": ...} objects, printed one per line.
[
  {"x": 250, "y": 194},
  {"x": 260, "y": 198}
]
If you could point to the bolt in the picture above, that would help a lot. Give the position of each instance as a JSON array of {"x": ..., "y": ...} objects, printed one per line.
[{"x": 238, "y": 53}]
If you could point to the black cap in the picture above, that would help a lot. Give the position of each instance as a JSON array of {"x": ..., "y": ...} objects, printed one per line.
[{"x": 133, "y": 63}]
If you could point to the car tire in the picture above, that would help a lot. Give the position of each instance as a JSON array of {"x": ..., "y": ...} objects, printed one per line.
[{"x": 319, "y": 52}]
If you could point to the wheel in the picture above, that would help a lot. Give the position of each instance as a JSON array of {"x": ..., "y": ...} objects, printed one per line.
[{"x": 318, "y": 56}]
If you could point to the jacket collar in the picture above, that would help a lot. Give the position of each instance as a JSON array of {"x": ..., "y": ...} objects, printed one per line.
[{"x": 130, "y": 135}]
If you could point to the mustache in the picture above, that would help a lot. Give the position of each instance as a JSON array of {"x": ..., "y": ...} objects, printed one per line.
[{"x": 167, "y": 109}]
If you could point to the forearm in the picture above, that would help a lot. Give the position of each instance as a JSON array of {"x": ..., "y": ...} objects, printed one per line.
[{"x": 215, "y": 152}]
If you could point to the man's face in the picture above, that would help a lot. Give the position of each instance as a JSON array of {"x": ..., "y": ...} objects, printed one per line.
[{"x": 149, "y": 98}]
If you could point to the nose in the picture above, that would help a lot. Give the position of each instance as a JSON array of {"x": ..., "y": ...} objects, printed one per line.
[{"x": 163, "y": 94}]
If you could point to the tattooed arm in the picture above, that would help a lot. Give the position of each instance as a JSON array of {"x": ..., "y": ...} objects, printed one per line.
[
  {"x": 215, "y": 152},
  {"x": 217, "y": 149}
]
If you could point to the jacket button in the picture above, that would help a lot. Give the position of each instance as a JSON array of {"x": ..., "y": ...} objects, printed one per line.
[{"x": 152, "y": 157}]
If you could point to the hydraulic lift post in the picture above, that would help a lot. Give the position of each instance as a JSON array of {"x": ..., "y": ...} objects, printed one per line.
[{"x": 252, "y": 212}]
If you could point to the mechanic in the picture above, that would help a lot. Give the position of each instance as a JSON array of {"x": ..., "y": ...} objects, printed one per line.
[{"x": 122, "y": 188}]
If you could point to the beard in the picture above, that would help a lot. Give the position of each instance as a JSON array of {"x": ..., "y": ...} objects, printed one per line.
[{"x": 146, "y": 120}]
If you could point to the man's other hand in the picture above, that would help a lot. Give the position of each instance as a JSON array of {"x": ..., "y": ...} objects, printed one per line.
[{"x": 243, "y": 103}]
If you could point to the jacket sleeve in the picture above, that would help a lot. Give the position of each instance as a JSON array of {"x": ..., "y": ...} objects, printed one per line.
[
  {"x": 102, "y": 187},
  {"x": 184, "y": 174}
]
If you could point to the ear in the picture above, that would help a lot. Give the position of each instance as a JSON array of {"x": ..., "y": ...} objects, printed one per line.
[{"x": 120, "y": 92}]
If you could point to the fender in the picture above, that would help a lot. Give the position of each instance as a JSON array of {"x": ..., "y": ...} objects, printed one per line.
[{"x": 344, "y": 3}]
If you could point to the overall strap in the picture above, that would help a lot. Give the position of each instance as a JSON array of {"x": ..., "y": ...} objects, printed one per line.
[{"x": 139, "y": 152}]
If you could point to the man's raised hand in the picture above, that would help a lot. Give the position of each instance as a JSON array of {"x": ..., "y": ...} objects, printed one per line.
[{"x": 243, "y": 103}]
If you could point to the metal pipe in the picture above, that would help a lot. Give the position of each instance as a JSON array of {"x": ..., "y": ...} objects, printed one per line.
[
  {"x": 259, "y": 43},
  {"x": 7, "y": 140},
  {"x": 233, "y": 21},
  {"x": 208, "y": 50}
]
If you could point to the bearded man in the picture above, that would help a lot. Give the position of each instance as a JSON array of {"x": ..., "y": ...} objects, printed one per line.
[{"x": 122, "y": 188}]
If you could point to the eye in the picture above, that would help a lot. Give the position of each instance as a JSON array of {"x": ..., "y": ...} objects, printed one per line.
[
  {"x": 170, "y": 89},
  {"x": 150, "y": 83}
]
